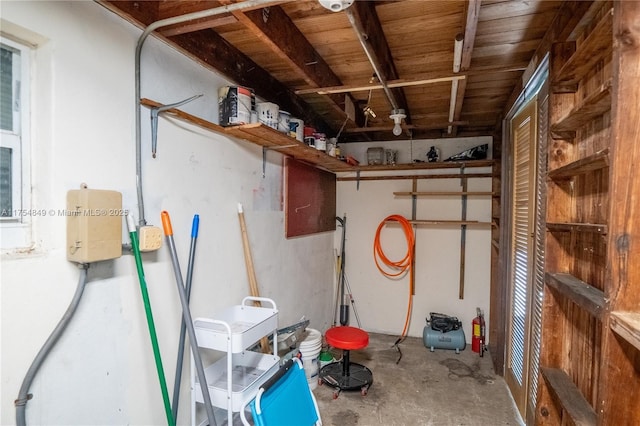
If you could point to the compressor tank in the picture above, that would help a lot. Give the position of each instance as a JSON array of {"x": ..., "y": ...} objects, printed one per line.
[{"x": 434, "y": 339}]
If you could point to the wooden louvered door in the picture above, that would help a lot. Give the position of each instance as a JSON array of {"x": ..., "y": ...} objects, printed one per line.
[{"x": 521, "y": 268}]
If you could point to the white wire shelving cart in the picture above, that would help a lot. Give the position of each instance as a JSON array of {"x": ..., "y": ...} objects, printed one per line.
[{"x": 235, "y": 378}]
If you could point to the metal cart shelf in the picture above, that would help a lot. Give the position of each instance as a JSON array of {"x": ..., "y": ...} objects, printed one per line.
[{"x": 235, "y": 377}]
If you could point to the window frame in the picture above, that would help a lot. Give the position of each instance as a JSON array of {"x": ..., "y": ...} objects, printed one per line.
[{"x": 15, "y": 230}]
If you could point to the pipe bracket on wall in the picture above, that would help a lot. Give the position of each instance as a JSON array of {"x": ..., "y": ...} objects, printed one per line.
[
  {"x": 358, "y": 180},
  {"x": 155, "y": 111}
]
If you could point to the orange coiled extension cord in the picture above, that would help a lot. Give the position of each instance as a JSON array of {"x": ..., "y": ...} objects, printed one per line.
[{"x": 398, "y": 267}]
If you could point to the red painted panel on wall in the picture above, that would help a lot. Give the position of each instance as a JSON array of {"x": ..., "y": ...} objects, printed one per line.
[{"x": 310, "y": 199}]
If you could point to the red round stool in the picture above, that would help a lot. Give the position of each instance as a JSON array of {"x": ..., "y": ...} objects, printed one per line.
[{"x": 343, "y": 374}]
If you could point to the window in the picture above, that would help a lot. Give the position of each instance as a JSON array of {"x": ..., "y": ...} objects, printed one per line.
[{"x": 15, "y": 215}]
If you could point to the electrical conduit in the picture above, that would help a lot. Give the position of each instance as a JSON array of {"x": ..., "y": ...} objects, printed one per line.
[
  {"x": 151, "y": 28},
  {"x": 23, "y": 394},
  {"x": 399, "y": 266},
  {"x": 135, "y": 248}
]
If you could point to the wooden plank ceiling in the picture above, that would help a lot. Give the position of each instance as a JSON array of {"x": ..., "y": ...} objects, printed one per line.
[{"x": 311, "y": 62}]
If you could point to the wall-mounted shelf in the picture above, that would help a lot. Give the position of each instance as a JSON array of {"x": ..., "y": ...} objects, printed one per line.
[
  {"x": 597, "y": 103},
  {"x": 569, "y": 397},
  {"x": 588, "y": 53},
  {"x": 579, "y": 292},
  {"x": 440, "y": 193},
  {"x": 597, "y": 228},
  {"x": 270, "y": 138},
  {"x": 424, "y": 166},
  {"x": 448, "y": 222},
  {"x": 597, "y": 161},
  {"x": 627, "y": 326}
]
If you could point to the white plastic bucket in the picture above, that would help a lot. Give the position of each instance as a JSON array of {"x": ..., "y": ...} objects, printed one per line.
[
  {"x": 283, "y": 121},
  {"x": 268, "y": 114},
  {"x": 310, "y": 348}
]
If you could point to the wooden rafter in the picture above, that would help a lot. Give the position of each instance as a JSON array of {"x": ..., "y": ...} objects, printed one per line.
[
  {"x": 471, "y": 25},
  {"x": 210, "y": 49},
  {"x": 274, "y": 28},
  {"x": 365, "y": 14},
  {"x": 429, "y": 78},
  {"x": 213, "y": 50}
]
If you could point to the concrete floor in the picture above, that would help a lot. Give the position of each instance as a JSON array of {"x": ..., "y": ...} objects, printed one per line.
[{"x": 425, "y": 388}]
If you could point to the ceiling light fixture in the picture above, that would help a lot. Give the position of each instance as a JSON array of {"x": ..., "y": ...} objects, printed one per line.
[
  {"x": 335, "y": 5},
  {"x": 397, "y": 115}
]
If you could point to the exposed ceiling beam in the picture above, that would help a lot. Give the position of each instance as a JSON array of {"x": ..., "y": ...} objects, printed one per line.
[
  {"x": 406, "y": 82},
  {"x": 365, "y": 14},
  {"x": 199, "y": 25},
  {"x": 377, "y": 86},
  {"x": 433, "y": 126},
  {"x": 471, "y": 26},
  {"x": 210, "y": 49},
  {"x": 214, "y": 51},
  {"x": 274, "y": 28}
]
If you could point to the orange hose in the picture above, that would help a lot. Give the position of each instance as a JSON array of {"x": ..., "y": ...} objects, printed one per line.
[{"x": 401, "y": 266}]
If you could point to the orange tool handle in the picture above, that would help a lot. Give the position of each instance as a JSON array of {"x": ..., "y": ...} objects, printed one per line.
[{"x": 166, "y": 223}]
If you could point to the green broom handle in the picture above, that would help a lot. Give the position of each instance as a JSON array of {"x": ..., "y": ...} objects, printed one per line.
[{"x": 152, "y": 329}]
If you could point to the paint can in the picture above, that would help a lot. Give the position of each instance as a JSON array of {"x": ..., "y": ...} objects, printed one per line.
[
  {"x": 268, "y": 114},
  {"x": 310, "y": 348},
  {"x": 235, "y": 104},
  {"x": 283, "y": 121},
  {"x": 310, "y": 141},
  {"x": 296, "y": 129},
  {"x": 321, "y": 141}
]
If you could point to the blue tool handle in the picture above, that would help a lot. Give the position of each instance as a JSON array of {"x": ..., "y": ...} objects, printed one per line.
[{"x": 195, "y": 225}]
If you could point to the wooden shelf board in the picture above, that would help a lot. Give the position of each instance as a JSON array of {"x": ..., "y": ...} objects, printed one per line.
[
  {"x": 579, "y": 292},
  {"x": 597, "y": 161},
  {"x": 597, "y": 228},
  {"x": 448, "y": 222},
  {"x": 443, "y": 193},
  {"x": 424, "y": 166},
  {"x": 183, "y": 116},
  {"x": 568, "y": 395},
  {"x": 627, "y": 326},
  {"x": 405, "y": 177},
  {"x": 588, "y": 53},
  {"x": 270, "y": 138},
  {"x": 277, "y": 141},
  {"x": 594, "y": 105}
]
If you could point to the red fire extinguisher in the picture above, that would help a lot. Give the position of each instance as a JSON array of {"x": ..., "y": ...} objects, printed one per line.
[{"x": 478, "y": 327}]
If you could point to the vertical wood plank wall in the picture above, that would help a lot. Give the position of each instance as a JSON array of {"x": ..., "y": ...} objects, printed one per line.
[
  {"x": 590, "y": 374},
  {"x": 619, "y": 390}
]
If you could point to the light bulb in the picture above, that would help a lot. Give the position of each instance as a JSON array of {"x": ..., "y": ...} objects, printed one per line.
[{"x": 397, "y": 115}]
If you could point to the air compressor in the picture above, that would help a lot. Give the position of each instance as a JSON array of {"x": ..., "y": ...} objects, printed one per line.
[
  {"x": 478, "y": 327},
  {"x": 443, "y": 332}
]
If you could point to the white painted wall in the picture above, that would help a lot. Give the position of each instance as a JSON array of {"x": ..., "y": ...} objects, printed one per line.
[
  {"x": 102, "y": 370},
  {"x": 382, "y": 302}
]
